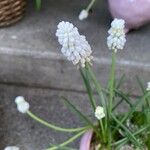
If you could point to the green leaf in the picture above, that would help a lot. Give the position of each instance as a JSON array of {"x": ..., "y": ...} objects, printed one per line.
[
  {"x": 125, "y": 140},
  {"x": 140, "y": 84},
  {"x": 58, "y": 147},
  {"x": 124, "y": 97},
  {"x": 49, "y": 125},
  {"x": 139, "y": 118},
  {"x": 129, "y": 134},
  {"x": 116, "y": 105},
  {"x": 147, "y": 142},
  {"x": 79, "y": 113},
  {"x": 38, "y": 4},
  {"x": 120, "y": 82},
  {"x": 68, "y": 141},
  {"x": 97, "y": 85},
  {"x": 138, "y": 103},
  {"x": 147, "y": 113},
  {"x": 88, "y": 88}
]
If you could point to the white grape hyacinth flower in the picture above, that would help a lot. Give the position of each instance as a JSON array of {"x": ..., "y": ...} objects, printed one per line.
[
  {"x": 148, "y": 86},
  {"x": 74, "y": 46},
  {"x": 12, "y": 148},
  {"x": 83, "y": 14},
  {"x": 22, "y": 104},
  {"x": 117, "y": 38},
  {"x": 99, "y": 112}
]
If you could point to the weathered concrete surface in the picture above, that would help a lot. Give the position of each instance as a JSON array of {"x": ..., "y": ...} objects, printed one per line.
[
  {"x": 30, "y": 54},
  {"x": 19, "y": 129},
  {"x": 31, "y": 65}
]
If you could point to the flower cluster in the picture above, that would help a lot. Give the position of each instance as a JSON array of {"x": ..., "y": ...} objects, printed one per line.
[
  {"x": 22, "y": 105},
  {"x": 74, "y": 46},
  {"x": 12, "y": 148},
  {"x": 116, "y": 39},
  {"x": 99, "y": 112}
]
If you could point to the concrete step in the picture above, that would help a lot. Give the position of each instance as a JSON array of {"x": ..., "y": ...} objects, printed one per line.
[
  {"x": 32, "y": 65},
  {"x": 19, "y": 129},
  {"x": 30, "y": 54}
]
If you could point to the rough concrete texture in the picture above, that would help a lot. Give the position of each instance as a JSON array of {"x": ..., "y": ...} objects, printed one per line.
[
  {"x": 19, "y": 129},
  {"x": 31, "y": 65},
  {"x": 30, "y": 53}
]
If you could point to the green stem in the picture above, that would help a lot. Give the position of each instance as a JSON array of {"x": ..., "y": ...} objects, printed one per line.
[
  {"x": 100, "y": 93},
  {"x": 132, "y": 138},
  {"x": 53, "y": 126},
  {"x": 103, "y": 131},
  {"x": 128, "y": 115},
  {"x": 38, "y": 4},
  {"x": 97, "y": 85},
  {"x": 90, "y": 5},
  {"x": 111, "y": 95},
  {"x": 125, "y": 140},
  {"x": 111, "y": 84},
  {"x": 68, "y": 141}
]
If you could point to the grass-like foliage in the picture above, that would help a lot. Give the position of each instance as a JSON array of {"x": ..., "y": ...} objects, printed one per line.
[{"x": 112, "y": 129}]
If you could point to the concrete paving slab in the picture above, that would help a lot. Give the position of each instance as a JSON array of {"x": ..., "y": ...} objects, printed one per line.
[
  {"x": 18, "y": 129},
  {"x": 31, "y": 65},
  {"x": 30, "y": 54}
]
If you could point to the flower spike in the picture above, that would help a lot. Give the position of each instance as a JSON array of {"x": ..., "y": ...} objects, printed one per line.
[{"x": 74, "y": 46}]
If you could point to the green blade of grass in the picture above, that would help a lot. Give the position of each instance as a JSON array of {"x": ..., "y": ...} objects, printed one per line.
[
  {"x": 125, "y": 140},
  {"x": 79, "y": 113},
  {"x": 117, "y": 104},
  {"x": 38, "y": 4},
  {"x": 124, "y": 97},
  {"x": 45, "y": 123},
  {"x": 68, "y": 141},
  {"x": 100, "y": 93},
  {"x": 90, "y": 5},
  {"x": 138, "y": 103},
  {"x": 140, "y": 84},
  {"x": 97, "y": 86},
  {"x": 130, "y": 135},
  {"x": 89, "y": 89},
  {"x": 60, "y": 147},
  {"x": 91, "y": 97},
  {"x": 120, "y": 82}
]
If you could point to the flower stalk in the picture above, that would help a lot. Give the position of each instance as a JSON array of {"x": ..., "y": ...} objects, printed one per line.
[
  {"x": 112, "y": 131},
  {"x": 111, "y": 84},
  {"x": 41, "y": 121},
  {"x": 90, "y": 5}
]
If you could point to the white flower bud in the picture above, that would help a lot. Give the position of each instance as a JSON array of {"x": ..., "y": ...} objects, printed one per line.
[
  {"x": 83, "y": 14},
  {"x": 99, "y": 112},
  {"x": 148, "y": 86},
  {"x": 116, "y": 40},
  {"x": 22, "y": 105},
  {"x": 12, "y": 148}
]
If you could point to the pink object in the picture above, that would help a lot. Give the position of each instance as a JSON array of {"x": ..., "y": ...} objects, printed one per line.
[
  {"x": 86, "y": 140},
  {"x": 134, "y": 12}
]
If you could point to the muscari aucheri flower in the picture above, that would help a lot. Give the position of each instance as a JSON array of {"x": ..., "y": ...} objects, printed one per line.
[
  {"x": 74, "y": 46},
  {"x": 117, "y": 38}
]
